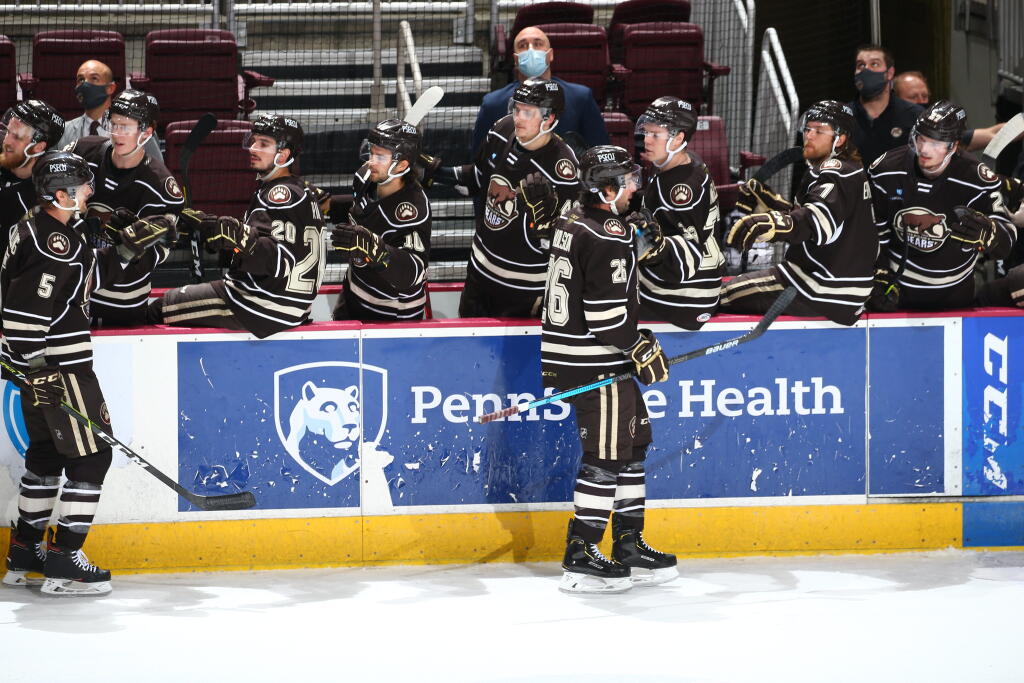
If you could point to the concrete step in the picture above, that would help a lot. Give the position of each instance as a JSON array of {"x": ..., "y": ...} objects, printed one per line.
[{"x": 327, "y": 64}]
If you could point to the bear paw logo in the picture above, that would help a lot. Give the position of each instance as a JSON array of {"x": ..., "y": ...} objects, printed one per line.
[
  {"x": 58, "y": 244},
  {"x": 406, "y": 211},
  {"x": 565, "y": 169},
  {"x": 279, "y": 194},
  {"x": 681, "y": 194}
]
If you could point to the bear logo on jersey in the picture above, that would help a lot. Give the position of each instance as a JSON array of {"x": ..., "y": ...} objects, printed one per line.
[
  {"x": 171, "y": 185},
  {"x": 58, "y": 244},
  {"x": 500, "y": 206},
  {"x": 896, "y": 132},
  {"x": 681, "y": 194},
  {"x": 920, "y": 228},
  {"x": 406, "y": 211},
  {"x": 614, "y": 227},
  {"x": 279, "y": 194},
  {"x": 104, "y": 413},
  {"x": 986, "y": 174},
  {"x": 831, "y": 165},
  {"x": 565, "y": 169}
]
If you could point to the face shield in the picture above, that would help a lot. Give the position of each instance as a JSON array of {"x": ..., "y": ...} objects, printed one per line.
[
  {"x": 649, "y": 128},
  {"x": 264, "y": 144},
  {"x": 529, "y": 113},
  {"x": 381, "y": 157}
]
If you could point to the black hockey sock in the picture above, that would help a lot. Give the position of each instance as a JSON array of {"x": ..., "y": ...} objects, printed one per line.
[
  {"x": 593, "y": 498},
  {"x": 35, "y": 505},
  {"x": 631, "y": 495},
  {"x": 79, "y": 501},
  {"x": 155, "y": 312}
]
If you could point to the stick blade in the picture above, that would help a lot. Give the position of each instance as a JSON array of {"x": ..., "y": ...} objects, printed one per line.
[
  {"x": 1010, "y": 131},
  {"x": 427, "y": 101},
  {"x": 232, "y": 501}
]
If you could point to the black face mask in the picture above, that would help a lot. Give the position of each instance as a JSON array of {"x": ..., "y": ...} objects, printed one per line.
[
  {"x": 90, "y": 94},
  {"x": 870, "y": 83}
]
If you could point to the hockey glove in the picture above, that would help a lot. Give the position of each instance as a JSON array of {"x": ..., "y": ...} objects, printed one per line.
[
  {"x": 756, "y": 197},
  {"x": 192, "y": 220},
  {"x": 541, "y": 202},
  {"x": 650, "y": 240},
  {"x": 426, "y": 168},
  {"x": 759, "y": 227},
  {"x": 885, "y": 296},
  {"x": 227, "y": 233},
  {"x": 973, "y": 228},
  {"x": 321, "y": 196},
  {"x": 145, "y": 233},
  {"x": 649, "y": 359},
  {"x": 363, "y": 248},
  {"x": 1011, "y": 193},
  {"x": 46, "y": 387}
]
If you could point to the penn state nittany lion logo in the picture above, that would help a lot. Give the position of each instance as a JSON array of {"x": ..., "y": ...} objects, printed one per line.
[
  {"x": 322, "y": 418},
  {"x": 500, "y": 206},
  {"x": 921, "y": 229}
]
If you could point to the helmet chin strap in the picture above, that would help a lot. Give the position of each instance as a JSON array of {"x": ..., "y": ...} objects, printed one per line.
[
  {"x": 671, "y": 153},
  {"x": 29, "y": 157},
  {"x": 139, "y": 142},
  {"x": 275, "y": 167},
  {"x": 392, "y": 176},
  {"x": 615, "y": 200},
  {"x": 539, "y": 135},
  {"x": 75, "y": 208}
]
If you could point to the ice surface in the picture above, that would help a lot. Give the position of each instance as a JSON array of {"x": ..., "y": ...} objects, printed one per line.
[{"x": 939, "y": 616}]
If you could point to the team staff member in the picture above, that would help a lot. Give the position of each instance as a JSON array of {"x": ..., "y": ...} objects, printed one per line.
[
  {"x": 130, "y": 184},
  {"x": 45, "y": 281},
  {"x": 27, "y": 130},
  {"x": 589, "y": 332},
  {"x": 832, "y": 240},
  {"x": 528, "y": 175},
  {"x": 277, "y": 255},
  {"x": 388, "y": 241},
  {"x": 936, "y": 216},
  {"x": 682, "y": 282},
  {"x": 883, "y": 120}
]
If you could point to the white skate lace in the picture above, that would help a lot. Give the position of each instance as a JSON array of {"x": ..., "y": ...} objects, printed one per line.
[
  {"x": 595, "y": 552},
  {"x": 79, "y": 558}
]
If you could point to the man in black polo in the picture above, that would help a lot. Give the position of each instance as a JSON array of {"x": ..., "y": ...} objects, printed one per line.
[{"x": 884, "y": 120}]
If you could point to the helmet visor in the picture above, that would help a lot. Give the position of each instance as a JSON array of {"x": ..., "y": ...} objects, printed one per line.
[
  {"x": 375, "y": 153},
  {"x": 259, "y": 142}
]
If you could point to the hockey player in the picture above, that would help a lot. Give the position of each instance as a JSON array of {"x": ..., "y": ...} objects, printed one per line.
[
  {"x": 681, "y": 285},
  {"x": 46, "y": 278},
  {"x": 937, "y": 213},
  {"x": 27, "y": 130},
  {"x": 388, "y": 241},
  {"x": 277, "y": 255},
  {"x": 529, "y": 175},
  {"x": 129, "y": 185},
  {"x": 590, "y": 332},
  {"x": 832, "y": 242}
]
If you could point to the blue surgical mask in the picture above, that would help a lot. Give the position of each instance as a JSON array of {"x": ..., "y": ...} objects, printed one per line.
[
  {"x": 90, "y": 94},
  {"x": 533, "y": 63}
]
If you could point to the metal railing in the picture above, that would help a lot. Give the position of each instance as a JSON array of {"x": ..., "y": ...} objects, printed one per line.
[
  {"x": 729, "y": 39},
  {"x": 406, "y": 53},
  {"x": 778, "y": 108},
  {"x": 1010, "y": 32}
]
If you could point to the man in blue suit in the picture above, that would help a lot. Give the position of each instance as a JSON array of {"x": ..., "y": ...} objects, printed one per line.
[{"x": 533, "y": 60}]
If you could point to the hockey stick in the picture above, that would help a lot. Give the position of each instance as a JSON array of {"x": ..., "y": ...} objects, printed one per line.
[
  {"x": 786, "y": 157},
  {"x": 242, "y": 500},
  {"x": 774, "y": 312},
  {"x": 427, "y": 101},
  {"x": 1010, "y": 131},
  {"x": 204, "y": 126}
]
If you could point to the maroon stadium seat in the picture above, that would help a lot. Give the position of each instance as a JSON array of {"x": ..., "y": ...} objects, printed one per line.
[
  {"x": 641, "y": 11},
  {"x": 195, "y": 71},
  {"x": 56, "y": 56},
  {"x": 666, "y": 58},
  {"x": 536, "y": 14},
  {"x": 581, "y": 55},
  {"x": 222, "y": 182},
  {"x": 710, "y": 144},
  {"x": 620, "y": 129},
  {"x": 8, "y": 74}
]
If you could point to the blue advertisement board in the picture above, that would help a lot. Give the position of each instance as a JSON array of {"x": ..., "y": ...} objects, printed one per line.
[
  {"x": 781, "y": 416},
  {"x": 993, "y": 382}
]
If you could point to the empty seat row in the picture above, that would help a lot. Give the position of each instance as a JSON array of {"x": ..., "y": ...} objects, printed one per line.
[{"x": 189, "y": 71}]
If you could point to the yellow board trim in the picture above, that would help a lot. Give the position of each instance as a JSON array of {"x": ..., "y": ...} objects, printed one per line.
[{"x": 514, "y": 537}]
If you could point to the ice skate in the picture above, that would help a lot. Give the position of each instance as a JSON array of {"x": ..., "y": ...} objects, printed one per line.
[
  {"x": 648, "y": 566},
  {"x": 69, "y": 572},
  {"x": 24, "y": 558},
  {"x": 587, "y": 570}
]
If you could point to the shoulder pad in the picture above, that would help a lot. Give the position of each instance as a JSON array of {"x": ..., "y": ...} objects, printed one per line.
[{"x": 88, "y": 147}]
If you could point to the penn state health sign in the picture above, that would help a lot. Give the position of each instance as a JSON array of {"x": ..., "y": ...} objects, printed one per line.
[{"x": 320, "y": 423}]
